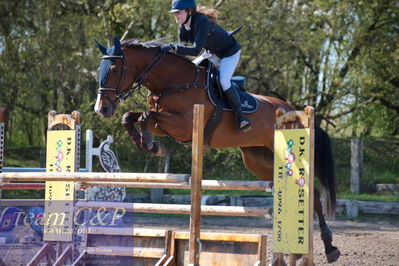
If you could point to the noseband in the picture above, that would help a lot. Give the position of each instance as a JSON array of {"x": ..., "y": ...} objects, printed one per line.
[{"x": 119, "y": 94}]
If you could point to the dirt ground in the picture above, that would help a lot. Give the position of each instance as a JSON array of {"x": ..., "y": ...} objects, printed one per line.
[{"x": 360, "y": 243}]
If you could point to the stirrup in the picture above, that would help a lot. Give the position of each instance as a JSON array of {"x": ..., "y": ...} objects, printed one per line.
[{"x": 244, "y": 125}]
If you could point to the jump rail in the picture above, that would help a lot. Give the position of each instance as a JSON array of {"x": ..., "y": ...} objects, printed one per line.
[
  {"x": 87, "y": 177},
  {"x": 178, "y": 208},
  {"x": 206, "y": 185}
]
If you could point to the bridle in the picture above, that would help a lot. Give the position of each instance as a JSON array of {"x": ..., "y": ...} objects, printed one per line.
[{"x": 119, "y": 94}]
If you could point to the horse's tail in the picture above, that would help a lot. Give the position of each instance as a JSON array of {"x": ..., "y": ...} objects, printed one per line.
[{"x": 325, "y": 171}]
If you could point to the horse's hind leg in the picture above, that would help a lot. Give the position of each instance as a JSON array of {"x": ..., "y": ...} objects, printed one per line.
[
  {"x": 259, "y": 161},
  {"x": 332, "y": 253},
  {"x": 325, "y": 171}
]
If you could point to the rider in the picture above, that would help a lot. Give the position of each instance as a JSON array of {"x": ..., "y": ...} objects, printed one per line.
[{"x": 197, "y": 26}]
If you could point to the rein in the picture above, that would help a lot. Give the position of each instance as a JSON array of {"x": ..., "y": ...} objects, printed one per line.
[{"x": 157, "y": 96}]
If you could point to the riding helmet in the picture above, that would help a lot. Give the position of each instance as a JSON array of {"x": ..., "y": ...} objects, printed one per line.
[{"x": 178, "y": 5}]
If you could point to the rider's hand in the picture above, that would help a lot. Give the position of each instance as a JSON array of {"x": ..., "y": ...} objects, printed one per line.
[{"x": 168, "y": 47}]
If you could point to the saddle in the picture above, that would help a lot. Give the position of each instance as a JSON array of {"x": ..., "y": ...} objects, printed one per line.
[{"x": 249, "y": 104}]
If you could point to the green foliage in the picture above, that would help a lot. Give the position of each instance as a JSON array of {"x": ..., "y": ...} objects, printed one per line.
[
  {"x": 380, "y": 161},
  {"x": 342, "y": 157},
  {"x": 369, "y": 197},
  {"x": 373, "y": 218},
  {"x": 381, "y": 164},
  {"x": 340, "y": 56}
]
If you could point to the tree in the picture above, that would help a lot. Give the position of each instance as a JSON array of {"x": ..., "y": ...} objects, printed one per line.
[{"x": 339, "y": 56}]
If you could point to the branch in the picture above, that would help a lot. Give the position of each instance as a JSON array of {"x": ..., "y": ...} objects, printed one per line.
[
  {"x": 350, "y": 110},
  {"x": 394, "y": 82},
  {"x": 218, "y": 3},
  {"x": 363, "y": 40},
  {"x": 127, "y": 30},
  {"x": 328, "y": 121},
  {"x": 386, "y": 23},
  {"x": 389, "y": 104},
  {"x": 28, "y": 109},
  {"x": 301, "y": 52}
]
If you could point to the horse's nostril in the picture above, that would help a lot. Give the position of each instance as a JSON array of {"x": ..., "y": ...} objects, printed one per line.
[{"x": 104, "y": 110}]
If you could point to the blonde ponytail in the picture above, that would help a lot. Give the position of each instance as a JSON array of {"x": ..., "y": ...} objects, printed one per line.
[{"x": 210, "y": 13}]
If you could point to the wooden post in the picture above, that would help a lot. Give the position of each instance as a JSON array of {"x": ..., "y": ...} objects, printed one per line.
[
  {"x": 89, "y": 150},
  {"x": 2, "y": 133},
  {"x": 196, "y": 180},
  {"x": 2, "y": 114},
  {"x": 309, "y": 113},
  {"x": 356, "y": 164},
  {"x": 262, "y": 250}
]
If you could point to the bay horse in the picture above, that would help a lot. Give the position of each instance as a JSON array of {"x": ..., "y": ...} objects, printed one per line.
[{"x": 175, "y": 85}]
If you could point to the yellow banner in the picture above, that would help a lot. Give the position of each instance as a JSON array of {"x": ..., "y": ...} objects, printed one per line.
[
  {"x": 59, "y": 196},
  {"x": 291, "y": 191}
]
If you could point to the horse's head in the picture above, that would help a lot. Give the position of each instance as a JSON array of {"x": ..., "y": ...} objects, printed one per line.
[
  {"x": 124, "y": 71},
  {"x": 113, "y": 79}
]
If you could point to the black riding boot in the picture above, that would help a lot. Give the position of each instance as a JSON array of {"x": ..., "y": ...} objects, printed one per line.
[{"x": 243, "y": 123}]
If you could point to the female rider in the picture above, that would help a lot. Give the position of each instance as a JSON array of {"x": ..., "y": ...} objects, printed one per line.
[{"x": 198, "y": 27}]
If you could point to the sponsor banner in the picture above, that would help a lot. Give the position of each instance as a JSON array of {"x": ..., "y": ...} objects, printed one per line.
[
  {"x": 291, "y": 191},
  {"x": 59, "y": 195}
]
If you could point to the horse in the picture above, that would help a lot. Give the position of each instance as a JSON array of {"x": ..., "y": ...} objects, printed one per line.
[{"x": 175, "y": 85}]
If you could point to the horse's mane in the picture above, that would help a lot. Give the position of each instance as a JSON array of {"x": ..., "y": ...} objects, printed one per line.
[
  {"x": 132, "y": 43},
  {"x": 157, "y": 44}
]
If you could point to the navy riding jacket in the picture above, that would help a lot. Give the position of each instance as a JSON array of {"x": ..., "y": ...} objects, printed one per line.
[{"x": 206, "y": 34}]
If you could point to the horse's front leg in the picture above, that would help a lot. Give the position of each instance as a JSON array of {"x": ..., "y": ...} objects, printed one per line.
[
  {"x": 128, "y": 121},
  {"x": 142, "y": 140},
  {"x": 148, "y": 124}
]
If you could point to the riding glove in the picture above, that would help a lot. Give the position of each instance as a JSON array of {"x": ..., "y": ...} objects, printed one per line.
[{"x": 168, "y": 47}]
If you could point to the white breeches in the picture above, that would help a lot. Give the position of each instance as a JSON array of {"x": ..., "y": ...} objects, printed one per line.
[{"x": 226, "y": 67}]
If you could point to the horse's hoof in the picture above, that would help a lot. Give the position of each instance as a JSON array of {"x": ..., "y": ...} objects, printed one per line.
[
  {"x": 159, "y": 149},
  {"x": 333, "y": 255},
  {"x": 206, "y": 148},
  {"x": 296, "y": 256},
  {"x": 146, "y": 142},
  {"x": 276, "y": 261},
  {"x": 150, "y": 145}
]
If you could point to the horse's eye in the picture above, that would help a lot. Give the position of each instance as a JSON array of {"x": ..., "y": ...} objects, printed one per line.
[{"x": 115, "y": 69}]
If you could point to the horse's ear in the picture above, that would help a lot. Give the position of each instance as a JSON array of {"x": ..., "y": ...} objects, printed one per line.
[
  {"x": 117, "y": 44},
  {"x": 102, "y": 48}
]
